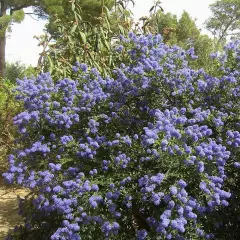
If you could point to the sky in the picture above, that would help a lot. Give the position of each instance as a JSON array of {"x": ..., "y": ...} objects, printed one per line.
[{"x": 22, "y": 46}]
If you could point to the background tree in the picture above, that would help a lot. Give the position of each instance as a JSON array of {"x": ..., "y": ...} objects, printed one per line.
[
  {"x": 187, "y": 29},
  {"x": 225, "y": 20},
  {"x": 10, "y": 11},
  {"x": 203, "y": 47},
  {"x": 14, "y": 70},
  {"x": 90, "y": 12},
  {"x": 189, "y": 35},
  {"x": 18, "y": 70},
  {"x": 185, "y": 33},
  {"x": 74, "y": 39},
  {"x": 167, "y": 25}
]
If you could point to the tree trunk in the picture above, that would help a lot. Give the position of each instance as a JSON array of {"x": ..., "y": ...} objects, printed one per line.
[{"x": 3, "y": 11}]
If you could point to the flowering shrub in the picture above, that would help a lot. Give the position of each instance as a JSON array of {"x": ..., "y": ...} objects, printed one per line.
[{"x": 141, "y": 154}]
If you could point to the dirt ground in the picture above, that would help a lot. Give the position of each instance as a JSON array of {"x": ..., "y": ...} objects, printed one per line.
[{"x": 8, "y": 207}]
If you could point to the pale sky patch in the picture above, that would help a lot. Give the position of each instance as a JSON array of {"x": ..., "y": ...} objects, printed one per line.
[{"x": 21, "y": 46}]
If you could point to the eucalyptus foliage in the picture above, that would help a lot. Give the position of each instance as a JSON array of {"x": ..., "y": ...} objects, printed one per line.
[{"x": 81, "y": 40}]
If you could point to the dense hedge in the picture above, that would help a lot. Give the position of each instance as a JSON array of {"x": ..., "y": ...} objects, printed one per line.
[
  {"x": 8, "y": 109},
  {"x": 150, "y": 152}
]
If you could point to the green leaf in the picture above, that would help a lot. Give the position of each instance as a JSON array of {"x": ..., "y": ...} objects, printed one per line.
[
  {"x": 83, "y": 36},
  {"x": 109, "y": 27},
  {"x": 73, "y": 6},
  {"x": 107, "y": 12},
  {"x": 50, "y": 64},
  {"x": 110, "y": 60},
  {"x": 60, "y": 29},
  {"x": 103, "y": 35},
  {"x": 106, "y": 43},
  {"x": 121, "y": 4},
  {"x": 64, "y": 73},
  {"x": 121, "y": 29},
  {"x": 73, "y": 29},
  {"x": 146, "y": 23},
  {"x": 151, "y": 8},
  {"x": 77, "y": 17},
  {"x": 100, "y": 44},
  {"x": 98, "y": 66}
]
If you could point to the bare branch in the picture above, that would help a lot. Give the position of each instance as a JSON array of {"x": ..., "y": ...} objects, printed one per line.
[
  {"x": 236, "y": 33},
  {"x": 30, "y": 15}
]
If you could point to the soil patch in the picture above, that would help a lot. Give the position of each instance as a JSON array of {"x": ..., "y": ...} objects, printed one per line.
[{"x": 9, "y": 217}]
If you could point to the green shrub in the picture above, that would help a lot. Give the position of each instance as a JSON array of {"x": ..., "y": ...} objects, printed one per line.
[
  {"x": 8, "y": 109},
  {"x": 149, "y": 152}
]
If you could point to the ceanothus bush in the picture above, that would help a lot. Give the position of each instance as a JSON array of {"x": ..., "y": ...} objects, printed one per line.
[{"x": 141, "y": 154}]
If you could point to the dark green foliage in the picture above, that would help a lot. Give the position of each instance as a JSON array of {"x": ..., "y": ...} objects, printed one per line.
[
  {"x": 81, "y": 41},
  {"x": 14, "y": 71},
  {"x": 90, "y": 11},
  {"x": 8, "y": 109},
  {"x": 18, "y": 70},
  {"x": 185, "y": 33}
]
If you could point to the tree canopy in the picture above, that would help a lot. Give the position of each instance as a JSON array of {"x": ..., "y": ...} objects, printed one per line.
[
  {"x": 12, "y": 11},
  {"x": 225, "y": 21},
  {"x": 185, "y": 33}
]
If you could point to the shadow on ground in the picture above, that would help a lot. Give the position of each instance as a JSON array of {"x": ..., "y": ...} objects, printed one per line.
[{"x": 9, "y": 217}]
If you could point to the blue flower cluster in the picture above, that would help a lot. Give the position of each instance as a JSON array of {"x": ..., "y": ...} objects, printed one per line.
[{"x": 146, "y": 143}]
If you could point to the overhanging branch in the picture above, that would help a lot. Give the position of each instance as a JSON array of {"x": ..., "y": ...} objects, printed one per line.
[{"x": 25, "y": 4}]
